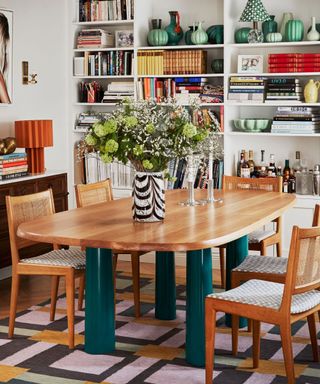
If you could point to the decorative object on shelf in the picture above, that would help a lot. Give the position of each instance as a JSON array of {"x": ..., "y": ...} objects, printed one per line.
[
  {"x": 215, "y": 34},
  {"x": 6, "y": 62},
  {"x": 285, "y": 18},
  {"x": 217, "y": 65},
  {"x": 317, "y": 27},
  {"x": 157, "y": 36},
  {"x": 269, "y": 26},
  {"x": 124, "y": 39},
  {"x": 34, "y": 135},
  {"x": 187, "y": 35},
  {"x": 313, "y": 34},
  {"x": 199, "y": 36},
  {"x": 148, "y": 197},
  {"x": 311, "y": 91},
  {"x": 294, "y": 30},
  {"x": 250, "y": 63},
  {"x": 193, "y": 161},
  {"x": 273, "y": 37},
  {"x": 174, "y": 30},
  {"x": 255, "y": 12},
  {"x": 252, "y": 125},
  {"x": 27, "y": 78},
  {"x": 148, "y": 135},
  {"x": 241, "y": 35},
  {"x": 7, "y": 145}
]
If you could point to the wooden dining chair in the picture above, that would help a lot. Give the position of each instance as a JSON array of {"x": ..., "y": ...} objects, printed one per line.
[
  {"x": 59, "y": 262},
  {"x": 89, "y": 194},
  {"x": 261, "y": 239},
  {"x": 274, "y": 303}
]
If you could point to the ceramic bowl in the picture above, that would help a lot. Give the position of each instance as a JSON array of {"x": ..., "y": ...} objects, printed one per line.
[{"x": 251, "y": 125}]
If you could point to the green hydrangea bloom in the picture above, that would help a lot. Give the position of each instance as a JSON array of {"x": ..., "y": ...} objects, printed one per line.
[
  {"x": 99, "y": 129},
  {"x": 110, "y": 126},
  {"x": 106, "y": 158},
  {"x": 130, "y": 121},
  {"x": 111, "y": 146},
  {"x": 189, "y": 130},
  {"x": 150, "y": 128},
  {"x": 91, "y": 140},
  {"x": 138, "y": 150},
  {"x": 147, "y": 164}
]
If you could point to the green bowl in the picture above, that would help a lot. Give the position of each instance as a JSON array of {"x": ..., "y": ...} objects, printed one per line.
[{"x": 252, "y": 125}]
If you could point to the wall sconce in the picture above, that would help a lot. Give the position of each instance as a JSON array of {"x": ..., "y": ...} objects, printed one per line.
[{"x": 26, "y": 78}]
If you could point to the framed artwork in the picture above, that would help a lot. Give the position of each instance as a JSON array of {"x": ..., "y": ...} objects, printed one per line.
[
  {"x": 250, "y": 64},
  {"x": 6, "y": 62},
  {"x": 124, "y": 39}
]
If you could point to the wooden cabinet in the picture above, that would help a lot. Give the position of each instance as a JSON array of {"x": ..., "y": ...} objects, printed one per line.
[{"x": 59, "y": 186}]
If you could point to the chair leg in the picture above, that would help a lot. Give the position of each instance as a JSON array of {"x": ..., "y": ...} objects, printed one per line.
[
  {"x": 263, "y": 249},
  {"x": 70, "y": 306},
  {"x": 285, "y": 332},
  {"x": 210, "y": 324},
  {"x": 135, "y": 262},
  {"x": 13, "y": 303},
  {"x": 222, "y": 271},
  {"x": 313, "y": 336},
  {"x": 235, "y": 334},
  {"x": 256, "y": 343},
  {"x": 82, "y": 285},
  {"x": 54, "y": 293},
  {"x": 279, "y": 249}
]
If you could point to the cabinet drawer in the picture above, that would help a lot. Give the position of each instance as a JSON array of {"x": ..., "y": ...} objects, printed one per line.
[{"x": 57, "y": 184}]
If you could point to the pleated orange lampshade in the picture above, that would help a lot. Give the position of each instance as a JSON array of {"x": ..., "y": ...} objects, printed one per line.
[{"x": 34, "y": 135}]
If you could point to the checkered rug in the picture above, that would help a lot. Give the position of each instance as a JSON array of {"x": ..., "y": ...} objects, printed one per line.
[{"x": 147, "y": 350}]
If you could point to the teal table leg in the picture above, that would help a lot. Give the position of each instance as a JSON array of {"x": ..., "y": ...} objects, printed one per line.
[
  {"x": 165, "y": 286},
  {"x": 237, "y": 251},
  {"x": 199, "y": 285},
  {"x": 99, "y": 311}
]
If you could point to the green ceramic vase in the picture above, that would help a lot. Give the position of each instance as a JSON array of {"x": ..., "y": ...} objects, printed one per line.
[
  {"x": 294, "y": 30},
  {"x": 215, "y": 34},
  {"x": 187, "y": 35},
  {"x": 269, "y": 26},
  {"x": 174, "y": 30},
  {"x": 241, "y": 35},
  {"x": 157, "y": 36},
  {"x": 217, "y": 66},
  {"x": 273, "y": 37},
  {"x": 199, "y": 36}
]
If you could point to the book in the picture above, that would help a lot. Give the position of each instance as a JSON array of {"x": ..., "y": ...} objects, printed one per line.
[
  {"x": 15, "y": 163},
  {"x": 13, "y": 176}
]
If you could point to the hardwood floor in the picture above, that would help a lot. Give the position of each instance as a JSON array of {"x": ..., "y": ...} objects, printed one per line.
[{"x": 35, "y": 289}]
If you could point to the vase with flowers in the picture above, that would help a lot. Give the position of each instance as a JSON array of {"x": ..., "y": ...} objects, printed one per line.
[{"x": 147, "y": 135}]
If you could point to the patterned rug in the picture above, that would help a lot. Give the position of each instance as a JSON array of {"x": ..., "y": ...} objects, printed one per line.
[{"x": 148, "y": 350}]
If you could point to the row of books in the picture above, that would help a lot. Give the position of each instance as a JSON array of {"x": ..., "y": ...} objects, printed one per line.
[
  {"x": 103, "y": 10},
  {"x": 296, "y": 120},
  {"x": 171, "y": 62},
  {"x": 246, "y": 89},
  {"x": 283, "y": 90},
  {"x": 117, "y": 91},
  {"x": 13, "y": 165},
  {"x": 90, "y": 92},
  {"x": 95, "y": 38},
  {"x": 294, "y": 62},
  {"x": 112, "y": 63}
]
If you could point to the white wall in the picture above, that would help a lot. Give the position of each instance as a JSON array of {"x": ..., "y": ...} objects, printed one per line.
[{"x": 40, "y": 34}]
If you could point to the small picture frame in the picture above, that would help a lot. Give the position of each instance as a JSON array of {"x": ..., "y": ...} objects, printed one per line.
[
  {"x": 124, "y": 39},
  {"x": 250, "y": 64}
]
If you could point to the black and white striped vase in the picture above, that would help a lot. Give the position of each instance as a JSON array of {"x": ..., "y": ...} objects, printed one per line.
[{"x": 148, "y": 197}]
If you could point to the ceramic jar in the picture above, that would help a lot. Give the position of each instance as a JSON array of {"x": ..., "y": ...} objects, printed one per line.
[
  {"x": 269, "y": 26},
  {"x": 217, "y": 66},
  {"x": 285, "y": 18},
  {"x": 215, "y": 34},
  {"x": 313, "y": 34},
  {"x": 199, "y": 36},
  {"x": 187, "y": 35},
  {"x": 294, "y": 30},
  {"x": 241, "y": 35},
  {"x": 157, "y": 36},
  {"x": 273, "y": 37},
  {"x": 174, "y": 29},
  {"x": 311, "y": 91}
]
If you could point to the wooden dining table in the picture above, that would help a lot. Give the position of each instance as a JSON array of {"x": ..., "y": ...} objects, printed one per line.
[{"x": 107, "y": 227}]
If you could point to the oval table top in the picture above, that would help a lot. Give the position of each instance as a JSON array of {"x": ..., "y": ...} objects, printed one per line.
[{"x": 110, "y": 225}]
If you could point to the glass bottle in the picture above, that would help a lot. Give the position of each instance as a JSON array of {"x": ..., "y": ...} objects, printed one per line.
[
  {"x": 297, "y": 165},
  {"x": 245, "y": 167},
  {"x": 240, "y": 162},
  {"x": 251, "y": 162},
  {"x": 286, "y": 167},
  {"x": 263, "y": 165},
  {"x": 272, "y": 170}
]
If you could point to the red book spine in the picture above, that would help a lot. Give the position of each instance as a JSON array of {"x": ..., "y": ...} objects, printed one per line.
[
  {"x": 13, "y": 164},
  {"x": 189, "y": 88},
  {"x": 293, "y": 69},
  {"x": 294, "y": 55}
]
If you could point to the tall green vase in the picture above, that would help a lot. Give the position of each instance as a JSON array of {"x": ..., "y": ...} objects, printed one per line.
[
  {"x": 294, "y": 30},
  {"x": 174, "y": 29},
  {"x": 269, "y": 26}
]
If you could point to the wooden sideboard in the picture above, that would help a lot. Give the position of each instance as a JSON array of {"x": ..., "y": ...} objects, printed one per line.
[{"x": 56, "y": 181}]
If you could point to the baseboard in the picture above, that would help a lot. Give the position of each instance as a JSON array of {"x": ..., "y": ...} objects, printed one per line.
[{"x": 5, "y": 273}]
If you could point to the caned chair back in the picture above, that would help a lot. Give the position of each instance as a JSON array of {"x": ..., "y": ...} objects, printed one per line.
[
  {"x": 26, "y": 208},
  {"x": 271, "y": 184},
  {"x": 89, "y": 194}
]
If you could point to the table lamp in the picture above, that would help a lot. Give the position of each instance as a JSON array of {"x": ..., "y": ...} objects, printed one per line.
[
  {"x": 34, "y": 135},
  {"x": 255, "y": 12}
]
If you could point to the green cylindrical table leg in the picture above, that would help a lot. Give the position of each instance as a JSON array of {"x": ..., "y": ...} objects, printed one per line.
[
  {"x": 165, "y": 286},
  {"x": 99, "y": 310},
  {"x": 199, "y": 285},
  {"x": 237, "y": 251}
]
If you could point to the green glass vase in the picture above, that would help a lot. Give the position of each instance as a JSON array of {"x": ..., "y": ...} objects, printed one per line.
[
  {"x": 187, "y": 35},
  {"x": 157, "y": 36},
  {"x": 241, "y": 35},
  {"x": 269, "y": 26},
  {"x": 174, "y": 30},
  {"x": 294, "y": 30}
]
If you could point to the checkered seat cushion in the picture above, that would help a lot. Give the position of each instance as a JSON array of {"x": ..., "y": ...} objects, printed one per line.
[
  {"x": 263, "y": 264},
  {"x": 268, "y": 294},
  {"x": 63, "y": 258},
  {"x": 259, "y": 235}
]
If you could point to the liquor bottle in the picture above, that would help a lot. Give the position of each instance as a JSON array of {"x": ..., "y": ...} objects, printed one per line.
[
  {"x": 263, "y": 165},
  {"x": 286, "y": 167},
  {"x": 272, "y": 170},
  {"x": 245, "y": 167},
  {"x": 241, "y": 161},
  {"x": 279, "y": 170},
  {"x": 251, "y": 162},
  {"x": 292, "y": 184},
  {"x": 297, "y": 165},
  {"x": 285, "y": 184}
]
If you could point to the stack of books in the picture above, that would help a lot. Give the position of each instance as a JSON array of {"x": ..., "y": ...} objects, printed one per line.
[
  {"x": 283, "y": 90},
  {"x": 294, "y": 62},
  {"x": 13, "y": 165},
  {"x": 95, "y": 38},
  {"x": 171, "y": 62},
  {"x": 156, "y": 89},
  {"x": 189, "y": 88},
  {"x": 117, "y": 91},
  {"x": 94, "y": 10},
  {"x": 296, "y": 120},
  {"x": 246, "y": 89},
  {"x": 212, "y": 94},
  {"x": 86, "y": 120}
]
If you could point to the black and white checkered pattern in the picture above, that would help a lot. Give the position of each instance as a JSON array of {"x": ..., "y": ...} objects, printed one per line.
[{"x": 263, "y": 264}]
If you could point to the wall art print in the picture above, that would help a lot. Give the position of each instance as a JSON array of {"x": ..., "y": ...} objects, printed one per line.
[{"x": 6, "y": 62}]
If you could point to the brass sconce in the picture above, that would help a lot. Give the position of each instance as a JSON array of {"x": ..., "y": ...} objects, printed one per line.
[{"x": 26, "y": 78}]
